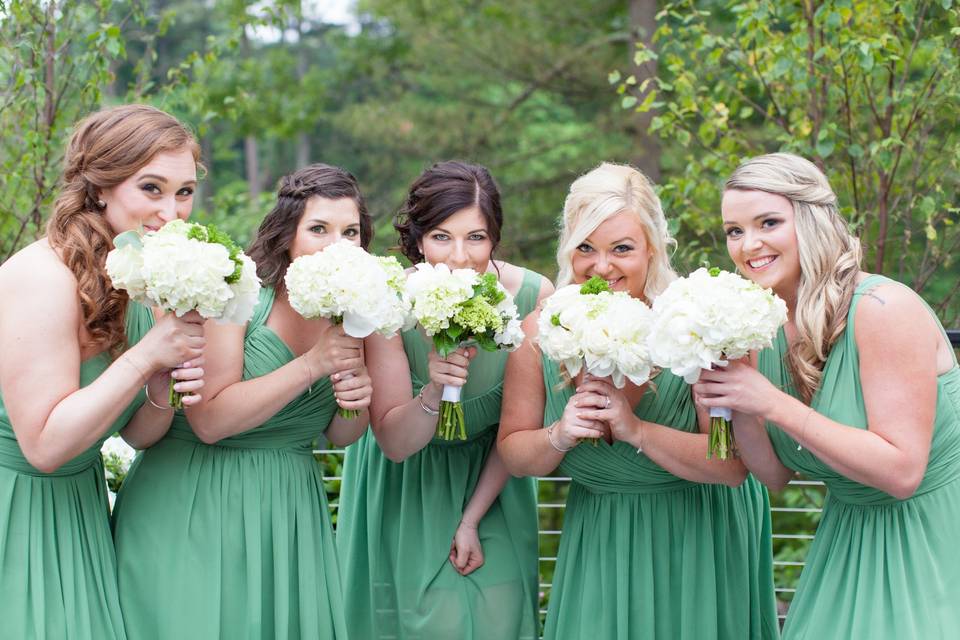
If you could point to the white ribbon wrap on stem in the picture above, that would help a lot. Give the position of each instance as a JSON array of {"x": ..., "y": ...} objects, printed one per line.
[
  {"x": 451, "y": 394},
  {"x": 722, "y": 412}
]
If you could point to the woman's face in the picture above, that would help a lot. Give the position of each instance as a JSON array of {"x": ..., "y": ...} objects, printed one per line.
[
  {"x": 462, "y": 241},
  {"x": 616, "y": 251},
  {"x": 325, "y": 221},
  {"x": 762, "y": 239},
  {"x": 159, "y": 192}
]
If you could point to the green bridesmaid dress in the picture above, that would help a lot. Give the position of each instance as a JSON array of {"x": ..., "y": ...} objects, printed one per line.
[
  {"x": 647, "y": 555},
  {"x": 397, "y": 520},
  {"x": 879, "y": 567},
  {"x": 233, "y": 540},
  {"x": 58, "y": 575}
]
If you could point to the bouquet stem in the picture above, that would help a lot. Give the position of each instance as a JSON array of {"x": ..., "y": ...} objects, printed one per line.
[
  {"x": 451, "y": 424},
  {"x": 175, "y": 398},
  {"x": 721, "y": 443}
]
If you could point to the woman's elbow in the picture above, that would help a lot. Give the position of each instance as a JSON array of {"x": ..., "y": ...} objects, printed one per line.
[
  {"x": 42, "y": 461},
  {"x": 736, "y": 477},
  {"x": 205, "y": 433},
  {"x": 904, "y": 486}
]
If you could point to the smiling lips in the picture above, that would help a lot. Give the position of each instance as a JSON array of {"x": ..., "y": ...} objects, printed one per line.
[{"x": 759, "y": 263}]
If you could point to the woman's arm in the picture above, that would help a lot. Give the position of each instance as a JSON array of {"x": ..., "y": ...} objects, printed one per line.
[
  {"x": 232, "y": 405},
  {"x": 404, "y": 424},
  {"x": 897, "y": 341},
  {"x": 53, "y": 419},
  {"x": 680, "y": 452},
  {"x": 152, "y": 420},
  {"x": 528, "y": 449}
]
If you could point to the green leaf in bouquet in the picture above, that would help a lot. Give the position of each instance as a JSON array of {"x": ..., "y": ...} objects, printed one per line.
[
  {"x": 487, "y": 289},
  {"x": 444, "y": 344},
  {"x": 555, "y": 319},
  {"x": 454, "y": 330},
  {"x": 128, "y": 238},
  {"x": 594, "y": 285},
  {"x": 486, "y": 342},
  {"x": 714, "y": 271}
]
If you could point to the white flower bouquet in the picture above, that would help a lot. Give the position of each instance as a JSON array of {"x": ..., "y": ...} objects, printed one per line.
[
  {"x": 364, "y": 293},
  {"x": 706, "y": 318},
  {"x": 605, "y": 331},
  {"x": 117, "y": 457},
  {"x": 183, "y": 267},
  {"x": 457, "y": 308}
]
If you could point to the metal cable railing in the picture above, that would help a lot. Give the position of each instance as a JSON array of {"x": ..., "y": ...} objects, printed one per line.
[{"x": 795, "y": 514}]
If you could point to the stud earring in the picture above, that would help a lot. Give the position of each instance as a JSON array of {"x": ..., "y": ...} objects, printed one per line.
[{"x": 101, "y": 204}]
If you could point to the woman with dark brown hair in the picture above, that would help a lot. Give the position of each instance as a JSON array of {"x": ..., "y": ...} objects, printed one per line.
[
  {"x": 69, "y": 380},
  {"x": 222, "y": 528},
  {"x": 435, "y": 539}
]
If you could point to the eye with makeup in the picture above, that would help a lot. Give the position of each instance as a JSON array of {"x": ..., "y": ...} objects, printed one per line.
[
  {"x": 351, "y": 232},
  {"x": 439, "y": 236},
  {"x": 186, "y": 192},
  {"x": 622, "y": 248},
  {"x": 770, "y": 223},
  {"x": 477, "y": 237},
  {"x": 584, "y": 248},
  {"x": 150, "y": 188},
  {"x": 733, "y": 232}
]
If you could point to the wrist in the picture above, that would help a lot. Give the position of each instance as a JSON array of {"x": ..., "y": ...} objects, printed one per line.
[
  {"x": 141, "y": 365},
  {"x": 469, "y": 523}
]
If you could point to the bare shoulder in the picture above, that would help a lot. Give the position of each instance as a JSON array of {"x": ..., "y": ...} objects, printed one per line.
[
  {"x": 35, "y": 277},
  {"x": 893, "y": 314}
]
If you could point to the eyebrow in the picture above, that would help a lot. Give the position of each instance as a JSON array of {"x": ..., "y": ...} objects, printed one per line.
[
  {"x": 623, "y": 239},
  {"x": 760, "y": 215},
  {"x": 153, "y": 176},
  {"x": 322, "y": 221},
  {"x": 482, "y": 230}
]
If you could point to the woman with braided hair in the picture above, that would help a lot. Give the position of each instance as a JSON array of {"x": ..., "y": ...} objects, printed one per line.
[
  {"x": 861, "y": 390},
  {"x": 70, "y": 377},
  {"x": 222, "y": 529}
]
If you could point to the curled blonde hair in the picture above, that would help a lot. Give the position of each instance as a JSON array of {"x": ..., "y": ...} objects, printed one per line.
[
  {"x": 829, "y": 258},
  {"x": 602, "y": 193},
  {"x": 106, "y": 148}
]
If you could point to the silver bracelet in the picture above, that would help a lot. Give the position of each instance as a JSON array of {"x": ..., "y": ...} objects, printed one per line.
[
  {"x": 554, "y": 444},
  {"x": 146, "y": 390},
  {"x": 423, "y": 405}
]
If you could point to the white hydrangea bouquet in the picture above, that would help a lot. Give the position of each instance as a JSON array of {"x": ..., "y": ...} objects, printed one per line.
[
  {"x": 456, "y": 308},
  {"x": 182, "y": 267},
  {"x": 705, "y": 319},
  {"x": 589, "y": 326},
  {"x": 117, "y": 458},
  {"x": 605, "y": 331},
  {"x": 363, "y": 292}
]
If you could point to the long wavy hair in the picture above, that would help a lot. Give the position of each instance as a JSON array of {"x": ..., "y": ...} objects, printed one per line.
[
  {"x": 602, "y": 193},
  {"x": 829, "y": 258},
  {"x": 106, "y": 148}
]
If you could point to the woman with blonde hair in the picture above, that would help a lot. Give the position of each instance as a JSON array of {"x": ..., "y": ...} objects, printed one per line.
[
  {"x": 69, "y": 380},
  {"x": 658, "y": 541},
  {"x": 862, "y": 391}
]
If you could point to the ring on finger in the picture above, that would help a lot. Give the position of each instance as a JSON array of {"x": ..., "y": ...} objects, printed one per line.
[{"x": 607, "y": 406}]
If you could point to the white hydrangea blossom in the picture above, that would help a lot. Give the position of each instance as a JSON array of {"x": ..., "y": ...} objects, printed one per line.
[
  {"x": 345, "y": 282},
  {"x": 606, "y": 332},
  {"x": 702, "y": 319},
  {"x": 170, "y": 270},
  {"x": 435, "y": 293}
]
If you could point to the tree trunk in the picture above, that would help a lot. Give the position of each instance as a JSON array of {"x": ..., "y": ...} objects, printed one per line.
[
  {"x": 303, "y": 140},
  {"x": 643, "y": 23},
  {"x": 252, "y": 165}
]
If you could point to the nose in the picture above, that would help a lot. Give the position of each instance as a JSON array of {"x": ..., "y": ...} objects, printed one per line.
[
  {"x": 458, "y": 255},
  {"x": 602, "y": 265},
  {"x": 168, "y": 209}
]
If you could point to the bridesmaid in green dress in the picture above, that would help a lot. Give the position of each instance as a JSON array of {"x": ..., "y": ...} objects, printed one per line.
[
  {"x": 658, "y": 541},
  {"x": 67, "y": 380},
  {"x": 222, "y": 529},
  {"x": 435, "y": 538},
  {"x": 862, "y": 391}
]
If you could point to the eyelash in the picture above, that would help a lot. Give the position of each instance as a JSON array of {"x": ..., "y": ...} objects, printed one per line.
[
  {"x": 154, "y": 190},
  {"x": 442, "y": 237}
]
